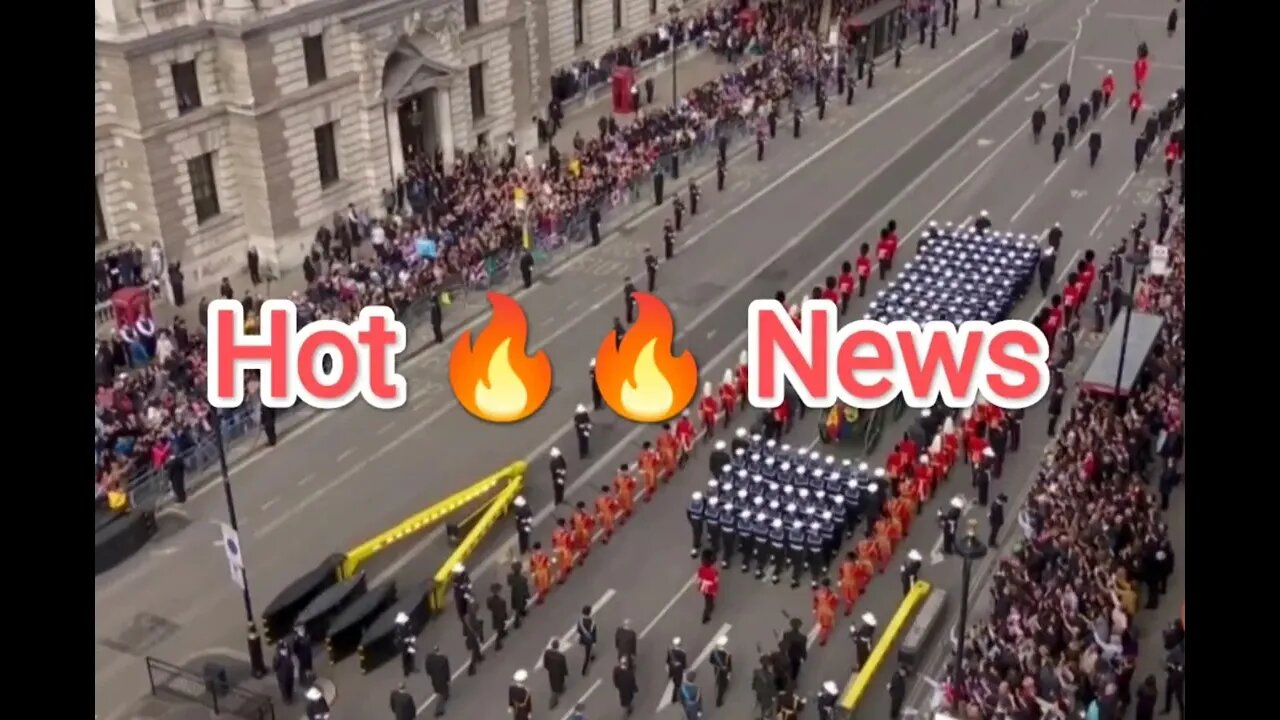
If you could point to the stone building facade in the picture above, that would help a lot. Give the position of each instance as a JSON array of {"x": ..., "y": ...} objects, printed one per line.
[{"x": 221, "y": 124}]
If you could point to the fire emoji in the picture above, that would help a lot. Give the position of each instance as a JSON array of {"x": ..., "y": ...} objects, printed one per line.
[
  {"x": 494, "y": 379},
  {"x": 641, "y": 380}
]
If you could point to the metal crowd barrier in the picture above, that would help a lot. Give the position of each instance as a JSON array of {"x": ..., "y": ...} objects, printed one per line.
[
  {"x": 212, "y": 690},
  {"x": 150, "y": 488}
]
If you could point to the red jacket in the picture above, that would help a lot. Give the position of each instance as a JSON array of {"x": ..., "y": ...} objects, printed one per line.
[
  {"x": 886, "y": 247},
  {"x": 1108, "y": 85},
  {"x": 1140, "y": 70},
  {"x": 832, "y": 295},
  {"x": 1172, "y": 151},
  {"x": 864, "y": 267},
  {"x": 846, "y": 283},
  {"x": 1135, "y": 100},
  {"x": 709, "y": 580}
]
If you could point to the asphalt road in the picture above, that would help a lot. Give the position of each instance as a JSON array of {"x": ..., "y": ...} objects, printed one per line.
[{"x": 356, "y": 472}]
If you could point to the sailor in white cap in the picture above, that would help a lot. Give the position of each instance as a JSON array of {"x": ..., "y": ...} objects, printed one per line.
[
  {"x": 827, "y": 701},
  {"x": 863, "y": 636},
  {"x": 524, "y": 523},
  {"x": 559, "y": 472},
  {"x": 462, "y": 596},
  {"x": 582, "y": 427},
  {"x": 677, "y": 663},
  {"x": 408, "y": 642},
  {"x": 722, "y": 666},
  {"x": 910, "y": 570},
  {"x": 519, "y": 699},
  {"x": 949, "y": 521},
  {"x": 697, "y": 516},
  {"x": 740, "y": 440},
  {"x": 597, "y": 400},
  {"x": 317, "y": 706}
]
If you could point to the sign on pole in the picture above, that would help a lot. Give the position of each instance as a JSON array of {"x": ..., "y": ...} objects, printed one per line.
[
  {"x": 235, "y": 561},
  {"x": 1159, "y": 260}
]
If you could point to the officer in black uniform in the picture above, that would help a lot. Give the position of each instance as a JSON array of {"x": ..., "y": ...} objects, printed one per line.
[
  {"x": 1015, "y": 416},
  {"x": 982, "y": 475},
  {"x": 841, "y": 71},
  {"x": 463, "y": 598},
  {"x": 1095, "y": 100},
  {"x": 897, "y": 692},
  {"x": 955, "y": 21},
  {"x": 519, "y": 586},
  {"x": 789, "y": 705},
  {"x": 657, "y": 187},
  {"x": 720, "y": 168},
  {"x": 437, "y": 318},
  {"x": 497, "y": 614},
  {"x": 650, "y": 269},
  {"x": 677, "y": 662},
  {"x": 300, "y": 645},
  {"x": 821, "y": 101},
  {"x": 1095, "y": 147},
  {"x": 694, "y": 195},
  {"x": 1059, "y": 142},
  {"x": 909, "y": 572},
  {"x": 949, "y": 521},
  {"x": 524, "y": 524},
  {"x": 588, "y": 636},
  {"x": 722, "y": 149},
  {"x": 762, "y": 688},
  {"x": 722, "y": 666},
  {"x": 1165, "y": 117},
  {"x": 593, "y": 220},
  {"x": 863, "y": 635},
  {"x": 719, "y": 459},
  {"x": 1047, "y": 264},
  {"x": 871, "y": 74},
  {"x": 668, "y": 246},
  {"x": 1139, "y": 152},
  {"x": 403, "y": 706},
  {"x": 677, "y": 209},
  {"x": 796, "y": 549},
  {"x": 473, "y": 635},
  {"x": 922, "y": 21},
  {"x": 796, "y": 117},
  {"x": 526, "y": 268},
  {"x": 1151, "y": 130},
  {"x": 1037, "y": 124},
  {"x": 582, "y": 427},
  {"x": 697, "y": 518},
  {"x": 597, "y": 400},
  {"x": 848, "y": 92},
  {"x": 711, "y": 523},
  {"x": 995, "y": 518},
  {"x": 1064, "y": 95},
  {"x": 897, "y": 54},
  {"x": 759, "y": 146},
  {"x": 408, "y": 644},
  {"x": 795, "y": 646},
  {"x": 827, "y": 701},
  {"x": 267, "y": 417},
  {"x": 560, "y": 466},
  {"x": 283, "y": 666},
  {"x": 436, "y": 667},
  {"x": 1073, "y": 126},
  {"x": 317, "y": 706},
  {"x": 628, "y": 301},
  {"x": 626, "y": 642},
  {"x": 772, "y": 120},
  {"x": 777, "y": 550},
  {"x": 728, "y": 533}
]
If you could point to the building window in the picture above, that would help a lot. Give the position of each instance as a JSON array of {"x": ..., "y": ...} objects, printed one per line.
[
  {"x": 617, "y": 15},
  {"x": 313, "y": 54},
  {"x": 99, "y": 217},
  {"x": 579, "y": 32},
  {"x": 653, "y": 7},
  {"x": 204, "y": 187},
  {"x": 476, "y": 73},
  {"x": 186, "y": 86},
  {"x": 471, "y": 13},
  {"x": 327, "y": 153}
]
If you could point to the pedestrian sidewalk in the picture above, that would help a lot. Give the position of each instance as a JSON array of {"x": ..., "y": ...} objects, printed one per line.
[{"x": 693, "y": 69}]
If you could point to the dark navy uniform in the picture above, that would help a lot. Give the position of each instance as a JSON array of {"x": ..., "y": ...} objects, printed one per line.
[
  {"x": 760, "y": 535},
  {"x": 728, "y": 533},
  {"x": 697, "y": 516},
  {"x": 796, "y": 550},
  {"x": 746, "y": 539},
  {"x": 582, "y": 426},
  {"x": 777, "y": 548},
  {"x": 711, "y": 520},
  {"x": 813, "y": 547}
]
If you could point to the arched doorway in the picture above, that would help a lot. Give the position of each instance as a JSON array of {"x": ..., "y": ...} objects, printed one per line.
[{"x": 415, "y": 89}]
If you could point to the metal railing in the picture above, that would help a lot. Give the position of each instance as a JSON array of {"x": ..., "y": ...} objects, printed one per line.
[{"x": 212, "y": 690}]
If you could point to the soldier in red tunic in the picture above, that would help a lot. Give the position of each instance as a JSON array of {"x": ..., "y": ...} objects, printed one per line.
[
  {"x": 742, "y": 379},
  {"x": 708, "y": 409},
  {"x": 728, "y": 396}
]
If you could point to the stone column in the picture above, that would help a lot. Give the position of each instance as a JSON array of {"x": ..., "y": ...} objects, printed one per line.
[
  {"x": 395, "y": 147},
  {"x": 444, "y": 124}
]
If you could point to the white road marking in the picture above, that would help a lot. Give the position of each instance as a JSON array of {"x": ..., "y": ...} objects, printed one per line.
[
  {"x": 386, "y": 428},
  {"x": 1088, "y": 9},
  {"x": 667, "y": 608},
  {"x": 1071, "y": 266},
  {"x": 1125, "y": 186},
  {"x": 270, "y": 502},
  {"x": 1025, "y": 204},
  {"x": 346, "y": 454},
  {"x": 567, "y": 638},
  {"x": 1144, "y": 18},
  {"x": 582, "y": 699},
  {"x": 702, "y": 657},
  {"x": 308, "y": 478},
  {"x": 1122, "y": 61},
  {"x": 712, "y": 333},
  {"x": 1094, "y": 230}
]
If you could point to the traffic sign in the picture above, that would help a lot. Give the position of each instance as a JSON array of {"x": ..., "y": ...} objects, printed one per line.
[
  {"x": 1159, "y": 260},
  {"x": 235, "y": 560}
]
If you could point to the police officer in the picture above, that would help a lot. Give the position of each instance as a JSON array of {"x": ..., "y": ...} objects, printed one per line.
[
  {"x": 694, "y": 195},
  {"x": 848, "y": 92},
  {"x": 657, "y": 187},
  {"x": 283, "y": 666},
  {"x": 1165, "y": 117},
  {"x": 677, "y": 208},
  {"x": 582, "y": 427},
  {"x": 677, "y": 661},
  {"x": 789, "y": 705},
  {"x": 722, "y": 148},
  {"x": 762, "y": 688},
  {"x": 982, "y": 476},
  {"x": 771, "y": 119},
  {"x": 722, "y": 667},
  {"x": 728, "y": 532},
  {"x": 862, "y": 639},
  {"x": 1055, "y": 237},
  {"x": 795, "y": 646},
  {"x": 436, "y": 667},
  {"x": 1096, "y": 100},
  {"x": 1037, "y": 123},
  {"x": 403, "y": 706},
  {"x": 827, "y": 701},
  {"x": 1073, "y": 126},
  {"x": 626, "y": 643},
  {"x": 497, "y": 614},
  {"x": 1059, "y": 142},
  {"x": 897, "y": 54},
  {"x": 796, "y": 117},
  {"x": 1015, "y": 416},
  {"x": 624, "y": 681},
  {"x": 1047, "y": 264},
  {"x": 719, "y": 459},
  {"x": 720, "y": 169},
  {"x": 651, "y": 267},
  {"x": 559, "y": 474},
  {"x": 1151, "y": 130},
  {"x": 300, "y": 645},
  {"x": 519, "y": 699},
  {"x": 955, "y": 21},
  {"x": 524, "y": 524},
  {"x": 759, "y": 146},
  {"x": 871, "y": 74},
  {"x": 1139, "y": 152},
  {"x": 796, "y": 550},
  {"x": 909, "y": 572},
  {"x": 1095, "y": 147},
  {"x": 897, "y": 692},
  {"x": 628, "y": 300},
  {"x": 821, "y": 100},
  {"x": 1174, "y": 680},
  {"x": 1064, "y": 94},
  {"x": 437, "y": 318},
  {"x": 711, "y": 522},
  {"x": 557, "y": 666},
  {"x": 1084, "y": 112},
  {"x": 408, "y": 644},
  {"x": 948, "y": 521},
  {"x": 995, "y": 518},
  {"x": 317, "y": 706},
  {"x": 463, "y": 599},
  {"x": 922, "y": 22},
  {"x": 588, "y": 635},
  {"x": 593, "y": 220},
  {"x": 526, "y": 268},
  {"x": 267, "y": 417},
  {"x": 473, "y": 635}
]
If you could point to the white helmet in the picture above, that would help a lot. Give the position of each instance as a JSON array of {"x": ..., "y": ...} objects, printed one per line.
[
  {"x": 869, "y": 619},
  {"x": 402, "y": 618},
  {"x": 720, "y": 445},
  {"x": 520, "y": 676},
  {"x": 581, "y": 408},
  {"x": 830, "y": 688},
  {"x": 741, "y": 432},
  {"x": 519, "y": 501},
  {"x": 914, "y": 555},
  {"x": 555, "y": 452}
]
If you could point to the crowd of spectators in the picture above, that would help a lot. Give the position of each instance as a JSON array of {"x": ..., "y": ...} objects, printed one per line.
[
  {"x": 442, "y": 224},
  {"x": 1061, "y": 640},
  {"x": 125, "y": 267}
]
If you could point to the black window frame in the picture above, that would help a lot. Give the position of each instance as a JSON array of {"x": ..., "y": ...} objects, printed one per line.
[
  {"x": 475, "y": 79},
  {"x": 313, "y": 58},
  {"x": 579, "y": 23},
  {"x": 202, "y": 172},
  {"x": 186, "y": 86},
  {"x": 101, "y": 234},
  {"x": 470, "y": 13},
  {"x": 327, "y": 165}
]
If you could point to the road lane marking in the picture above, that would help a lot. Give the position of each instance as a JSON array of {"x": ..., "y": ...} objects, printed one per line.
[
  {"x": 1025, "y": 204},
  {"x": 667, "y": 608},
  {"x": 346, "y": 454},
  {"x": 1071, "y": 266},
  {"x": 566, "y": 638},
  {"x": 1093, "y": 232},
  {"x": 308, "y": 478},
  {"x": 1088, "y": 10},
  {"x": 1144, "y": 18},
  {"x": 1122, "y": 61},
  {"x": 270, "y": 502},
  {"x": 386, "y": 428},
  {"x": 1125, "y": 186},
  {"x": 702, "y": 657},
  {"x": 582, "y": 699}
]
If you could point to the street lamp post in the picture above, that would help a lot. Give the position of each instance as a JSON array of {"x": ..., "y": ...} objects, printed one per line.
[
  {"x": 673, "y": 10},
  {"x": 1137, "y": 262},
  {"x": 970, "y": 548},
  {"x": 254, "y": 641}
]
